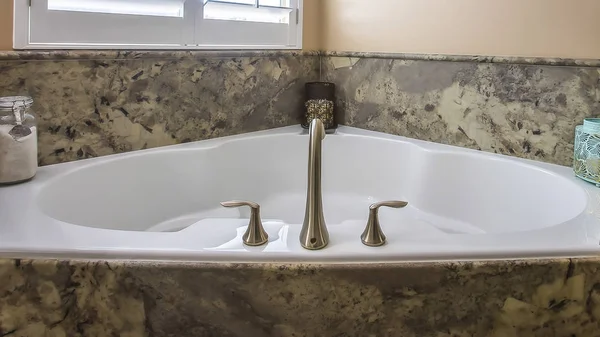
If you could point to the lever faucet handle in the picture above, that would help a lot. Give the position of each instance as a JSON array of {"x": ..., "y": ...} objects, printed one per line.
[
  {"x": 255, "y": 234},
  {"x": 373, "y": 235}
]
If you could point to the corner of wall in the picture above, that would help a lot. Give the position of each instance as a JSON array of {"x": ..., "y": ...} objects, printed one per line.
[{"x": 312, "y": 35}]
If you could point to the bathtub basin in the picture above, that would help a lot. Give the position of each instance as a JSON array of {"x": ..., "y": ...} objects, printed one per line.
[{"x": 164, "y": 203}]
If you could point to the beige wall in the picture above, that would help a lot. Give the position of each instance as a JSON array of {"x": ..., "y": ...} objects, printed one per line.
[
  {"x": 6, "y": 15},
  {"x": 311, "y": 35},
  {"x": 547, "y": 28},
  {"x": 312, "y": 25},
  {"x": 544, "y": 28}
]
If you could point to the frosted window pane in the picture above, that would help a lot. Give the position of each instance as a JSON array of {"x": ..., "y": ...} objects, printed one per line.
[{"x": 168, "y": 8}]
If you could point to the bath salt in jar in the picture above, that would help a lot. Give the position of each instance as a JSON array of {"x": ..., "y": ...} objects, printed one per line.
[{"x": 18, "y": 140}]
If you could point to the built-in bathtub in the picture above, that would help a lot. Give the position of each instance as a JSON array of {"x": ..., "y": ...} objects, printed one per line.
[{"x": 164, "y": 203}]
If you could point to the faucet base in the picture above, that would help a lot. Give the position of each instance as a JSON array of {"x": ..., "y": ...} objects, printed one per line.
[{"x": 314, "y": 236}]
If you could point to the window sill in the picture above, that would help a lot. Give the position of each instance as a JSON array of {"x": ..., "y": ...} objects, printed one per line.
[{"x": 145, "y": 54}]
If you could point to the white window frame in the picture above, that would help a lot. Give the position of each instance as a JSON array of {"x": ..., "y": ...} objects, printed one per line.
[{"x": 243, "y": 40}]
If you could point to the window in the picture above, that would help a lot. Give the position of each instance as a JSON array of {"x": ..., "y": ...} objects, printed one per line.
[{"x": 158, "y": 24}]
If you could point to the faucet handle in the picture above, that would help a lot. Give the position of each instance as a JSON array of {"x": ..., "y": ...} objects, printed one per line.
[
  {"x": 373, "y": 235},
  {"x": 255, "y": 234}
]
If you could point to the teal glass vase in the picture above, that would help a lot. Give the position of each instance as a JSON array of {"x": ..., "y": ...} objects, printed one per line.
[{"x": 586, "y": 155}]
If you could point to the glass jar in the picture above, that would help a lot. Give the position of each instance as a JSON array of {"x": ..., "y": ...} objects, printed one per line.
[{"x": 18, "y": 140}]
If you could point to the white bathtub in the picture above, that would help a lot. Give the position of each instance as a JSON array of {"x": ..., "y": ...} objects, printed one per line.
[{"x": 164, "y": 203}]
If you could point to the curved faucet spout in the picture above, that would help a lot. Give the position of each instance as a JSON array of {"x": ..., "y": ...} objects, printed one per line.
[{"x": 314, "y": 234}]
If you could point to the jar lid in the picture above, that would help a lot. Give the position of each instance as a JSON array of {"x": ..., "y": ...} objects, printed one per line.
[
  {"x": 320, "y": 90},
  {"x": 591, "y": 126},
  {"x": 10, "y": 102}
]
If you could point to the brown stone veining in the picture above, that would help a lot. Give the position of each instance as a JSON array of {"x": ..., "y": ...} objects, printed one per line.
[
  {"x": 539, "y": 61},
  {"x": 527, "y": 111},
  {"x": 116, "y": 298},
  {"x": 38, "y": 55},
  {"x": 103, "y": 102},
  {"x": 89, "y": 108}
]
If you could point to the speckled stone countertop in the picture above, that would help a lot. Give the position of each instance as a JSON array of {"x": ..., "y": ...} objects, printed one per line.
[
  {"x": 559, "y": 297},
  {"x": 177, "y": 54},
  {"x": 546, "y": 61},
  {"x": 146, "y": 54}
]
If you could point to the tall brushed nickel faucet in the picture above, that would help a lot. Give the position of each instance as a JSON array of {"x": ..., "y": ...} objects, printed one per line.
[{"x": 314, "y": 234}]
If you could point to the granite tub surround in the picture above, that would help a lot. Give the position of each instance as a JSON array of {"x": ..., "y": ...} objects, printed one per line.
[
  {"x": 540, "y": 61},
  {"x": 130, "y": 101},
  {"x": 93, "y": 103},
  {"x": 147, "y": 54},
  {"x": 113, "y": 298},
  {"x": 529, "y": 111}
]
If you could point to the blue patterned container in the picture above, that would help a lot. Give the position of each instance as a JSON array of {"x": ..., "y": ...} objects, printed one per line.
[{"x": 586, "y": 156}]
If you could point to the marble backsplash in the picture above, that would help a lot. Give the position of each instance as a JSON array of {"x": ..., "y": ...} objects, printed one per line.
[
  {"x": 113, "y": 298},
  {"x": 523, "y": 110},
  {"x": 97, "y": 103},
  {"x": 94, "y": 104}
]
